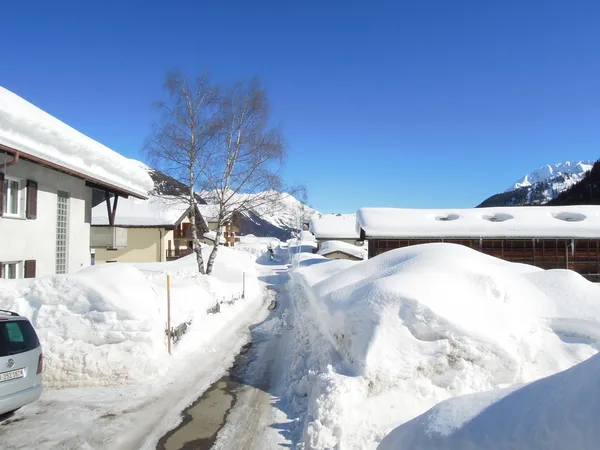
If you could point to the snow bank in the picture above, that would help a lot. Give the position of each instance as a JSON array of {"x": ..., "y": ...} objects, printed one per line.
[
  {"x": 105, "y": 325},
  {"x": 557, "y": 412},
  {"x": 524, "y": 221},
  {"x": 329, "y": 247},
  {"x": 334, "y": 226},
  {"x": 34, "y": 132},
  {"x": 409, "y": 328},
  {"x": 256, "y": 246}
]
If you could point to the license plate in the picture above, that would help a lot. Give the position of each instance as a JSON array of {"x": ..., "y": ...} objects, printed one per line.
[{"x": 6, "y": 376}]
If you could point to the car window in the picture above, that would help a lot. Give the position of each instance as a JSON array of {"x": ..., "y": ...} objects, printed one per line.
[{"x": 17, "y": 337}]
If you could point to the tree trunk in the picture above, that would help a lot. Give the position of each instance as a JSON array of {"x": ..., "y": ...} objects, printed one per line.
[
  {"x": 213, "y": 253},
  {"x": 197, "y": 246}
]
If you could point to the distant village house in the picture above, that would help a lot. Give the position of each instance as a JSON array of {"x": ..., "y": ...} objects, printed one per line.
[{"x": 546, "y": 237}]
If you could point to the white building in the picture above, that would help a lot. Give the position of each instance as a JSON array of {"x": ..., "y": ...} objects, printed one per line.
[{"x": 47, "y": 173}]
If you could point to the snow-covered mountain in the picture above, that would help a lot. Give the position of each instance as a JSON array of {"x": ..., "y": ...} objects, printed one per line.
[
  {"x": 269, "y": 213},
  {"x": 266, "y": 214},
  {"x": 542, "y": 185}
]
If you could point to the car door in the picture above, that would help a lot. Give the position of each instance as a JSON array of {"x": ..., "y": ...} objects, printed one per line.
[{"x": 19, "y": 356}]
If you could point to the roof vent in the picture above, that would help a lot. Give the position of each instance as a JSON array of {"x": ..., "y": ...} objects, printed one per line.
[
  {"x": 569, "y": 216},
  {"x": 498, "y": 217},
  {"x": 447, "y": 217}
]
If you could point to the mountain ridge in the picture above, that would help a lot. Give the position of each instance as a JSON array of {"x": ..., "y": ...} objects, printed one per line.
[{"x": 542, "y": 185}]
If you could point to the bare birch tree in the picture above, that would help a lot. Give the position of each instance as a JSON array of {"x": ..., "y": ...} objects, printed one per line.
[
  {"x": 243, "y": 172},
  {"x": 181, "y": 143}
]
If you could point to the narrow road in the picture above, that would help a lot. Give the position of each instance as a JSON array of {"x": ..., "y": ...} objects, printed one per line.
[{"x": 242, "y": 409}]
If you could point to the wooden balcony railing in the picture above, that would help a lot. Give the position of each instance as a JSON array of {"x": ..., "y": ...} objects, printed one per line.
[{"x": 186, "y": 233}]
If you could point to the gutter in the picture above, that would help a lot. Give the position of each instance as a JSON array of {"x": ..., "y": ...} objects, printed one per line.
[{"x": 11, "y": 163}]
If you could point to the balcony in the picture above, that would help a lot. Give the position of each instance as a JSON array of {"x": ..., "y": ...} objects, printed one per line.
[
  {"x": 185, "y": 233},
  {"x": 178, "y": 253},
  {"x": 108, "y": 237}
]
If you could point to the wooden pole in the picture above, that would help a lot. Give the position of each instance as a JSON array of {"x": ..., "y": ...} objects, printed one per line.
[{"x": 169, "y": 311}]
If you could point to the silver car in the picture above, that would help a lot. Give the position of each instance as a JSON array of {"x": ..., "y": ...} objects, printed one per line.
[{"x": 21, "y": 362}]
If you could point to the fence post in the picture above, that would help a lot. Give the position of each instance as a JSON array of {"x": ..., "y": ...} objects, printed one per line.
[{"x": 169, "y": 312}]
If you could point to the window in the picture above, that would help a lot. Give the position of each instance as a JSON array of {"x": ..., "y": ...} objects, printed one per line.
[
  {"x": 62, "y": 231},
  {"x": 9, "y": 270},
  {"x": 17, "y": 337},
  {"x": 12, "y": 197}
]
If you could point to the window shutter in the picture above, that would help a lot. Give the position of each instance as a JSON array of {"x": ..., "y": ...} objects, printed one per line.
[
  {"x": 32, "y": 193},
  {"x": 1, "y": 194},
  {"x": 30, "y": 268}
]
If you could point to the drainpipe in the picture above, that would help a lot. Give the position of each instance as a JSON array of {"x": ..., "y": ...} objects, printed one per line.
[
  {"x": 11, "y": 163},
  {"x": 160, "y": 250}
]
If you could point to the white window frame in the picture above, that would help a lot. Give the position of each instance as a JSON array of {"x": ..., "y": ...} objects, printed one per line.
[
  {"x": 20, "y": 198},
  {"x": 18, "y": 272}
]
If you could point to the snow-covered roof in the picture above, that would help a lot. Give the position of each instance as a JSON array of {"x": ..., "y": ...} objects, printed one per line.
[
  {"x": 212, "y": 235},
  {"x": 329, "y": 247},
  {"x": 43, "y": 138},
  {"x": 131, "y": 212},
  {"x": 210, "y": 213},
  {"x": 334, "y": 226},
  {"x": 525, "y": 221},
  {"x": 307, "y": 236}
]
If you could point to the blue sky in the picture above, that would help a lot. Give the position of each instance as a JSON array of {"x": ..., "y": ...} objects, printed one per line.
[{"x": 409, "y": 103}]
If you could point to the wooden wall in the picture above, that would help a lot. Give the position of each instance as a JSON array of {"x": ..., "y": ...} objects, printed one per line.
[{"x": 544, "y": 253}]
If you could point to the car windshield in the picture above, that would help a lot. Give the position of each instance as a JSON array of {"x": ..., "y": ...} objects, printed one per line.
[{"x": 17, "y": 336}]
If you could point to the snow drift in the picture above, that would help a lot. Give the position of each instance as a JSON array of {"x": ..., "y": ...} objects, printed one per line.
[
  {"x": 105, "y": 325},
  {"x": 557, "y": 412},
  {"x": 418, "y": 325}
]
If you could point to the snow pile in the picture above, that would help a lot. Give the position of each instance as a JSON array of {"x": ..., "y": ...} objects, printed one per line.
[
  {"x": 571, "y": 171},
  {"x": 381, "y": 341},
  {"x": 256, "y": 246},
  {"x": 157, "y": 211},
  {"x": 534, "y": 221},
  {"x": 557, "y": 412},
  {"x": 105, "y": 325},
  {"x": 334, "y": 226},
  {"x": 329, "y": 247},
  {"x": 34, "y": 132}
]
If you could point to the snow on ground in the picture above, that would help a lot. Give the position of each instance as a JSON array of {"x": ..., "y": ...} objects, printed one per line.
[
  {"x": 381, "y": 341},
  {"x": 256, "y": 246},
  {"x": 25, "y": 127},
  {"x": 329, "y": 247},
  {"x": 138, "y": 408},
  {"x": 105, "y": 325},
  {"x": 557, "y": 412}
]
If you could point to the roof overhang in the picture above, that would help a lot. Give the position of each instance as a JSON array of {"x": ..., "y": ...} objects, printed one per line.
[
  {"x": 90, "y": 181},
  {"x": 165, "y": 227},
  {"x": 405, "y": 237}
]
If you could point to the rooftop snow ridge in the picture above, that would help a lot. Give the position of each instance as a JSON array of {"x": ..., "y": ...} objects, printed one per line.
[
  {"x": 26, "y": 128},
  {"x": 334, "y": 226},
  {"x": 526, "y": 221}
]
